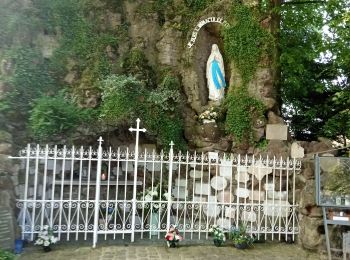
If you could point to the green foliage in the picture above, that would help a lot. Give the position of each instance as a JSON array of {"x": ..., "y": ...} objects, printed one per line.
[
  {"x": 122, "y": 99},
  {"x": 6, "y": 255},
  {"x": 239, "y": 236},
  {"x": 198, "y": 5},
  {"x": 315, "y": 69},
  {"x": 55, "y": 116},
  {"x": 244, "y": 40},
  {"x": 241, "y": 109},
  {"x": 338, "y": 180},
  {"x": 125, "y": 98},
  {"x": 29, "y": 78}
]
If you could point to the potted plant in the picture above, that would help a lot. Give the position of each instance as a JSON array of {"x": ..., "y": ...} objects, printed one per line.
[
  {"x": 240, "y": 238},
  {"x": 218, "y": 235},
  {"x": 173, "y": 237},
  {"x": 46, "y": 238}
]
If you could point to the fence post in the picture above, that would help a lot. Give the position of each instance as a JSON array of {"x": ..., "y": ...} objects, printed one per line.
[
  {"x": 137, "y": 130},
  {"x": 97, "y": 195},
  {"x": 170, "y": 177}
]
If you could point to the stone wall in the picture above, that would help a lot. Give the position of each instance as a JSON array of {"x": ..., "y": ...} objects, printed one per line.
[{"x": 8, "y": 181}]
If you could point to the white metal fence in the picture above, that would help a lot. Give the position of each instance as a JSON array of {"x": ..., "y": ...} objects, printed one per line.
[{"x": 110, "y": 193}]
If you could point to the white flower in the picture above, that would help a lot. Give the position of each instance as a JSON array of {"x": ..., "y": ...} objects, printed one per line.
[
  {"x": 166, "y": 196},
  {"x": 46, "y": 243},
  {"x": 154, "y": 193},
  {"x": 148, "y": 197},
  {"x": 39, "y": 242}
]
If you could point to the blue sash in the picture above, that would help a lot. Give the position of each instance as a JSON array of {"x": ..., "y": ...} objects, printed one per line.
[{"x": 215, "y": 73}]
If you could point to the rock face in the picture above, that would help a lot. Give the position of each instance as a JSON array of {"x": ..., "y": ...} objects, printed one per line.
[{"x": 8, "y": 180}]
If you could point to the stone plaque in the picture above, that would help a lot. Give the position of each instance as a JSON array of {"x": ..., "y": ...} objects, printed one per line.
[
  {"x": 296, "y": 151},
  {"x": 276, "y": 132},
  {"x": 129, "y": 165},
  {"x": 256, "y": 195},
  {"x": 230, "y": 212},
  {"x": 276, "y": 208},
  {"x": 259, "y": 170},
  {"x": 203, "y": 188},
  {"x": 180, "y": 182},
  {"x": 179, "y": 192},
  {"x": 196, "y": 174},
  {"x": 248, "y": 216},
  {"x": 224, "y": 223},
  {"x": 242, "y": 177},
  {"x": 242, "y": 192},
  {"x": 218, "y": 183}
]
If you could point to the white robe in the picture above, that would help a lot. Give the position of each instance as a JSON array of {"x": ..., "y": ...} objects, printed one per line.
[{"x": 215, "y": 94}]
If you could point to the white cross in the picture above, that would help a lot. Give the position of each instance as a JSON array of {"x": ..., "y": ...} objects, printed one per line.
[{"x": 137, "y": 129}]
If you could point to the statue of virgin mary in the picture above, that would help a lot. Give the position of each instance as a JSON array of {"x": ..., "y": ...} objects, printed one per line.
[{"x": 215, "y": 74}]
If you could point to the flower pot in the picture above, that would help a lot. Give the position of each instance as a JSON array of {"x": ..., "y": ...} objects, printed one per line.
[
  {"x": 218, "y": 242},
  {"x": 241, "y": 245},
  {"x": 154, "y": 223},
  {"x": 173, "y": 243},
  {"x": 46, "y": 248}
]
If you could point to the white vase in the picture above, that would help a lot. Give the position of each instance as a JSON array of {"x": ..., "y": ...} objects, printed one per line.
[
  {"x": 207, "y": 121},
  {"x": 154, "y": 223}
]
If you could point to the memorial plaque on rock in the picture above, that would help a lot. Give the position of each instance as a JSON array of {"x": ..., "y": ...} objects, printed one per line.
[
  {"x": 259, "y": 170},
  {"x": 213, "y": 157},
  {"x": 230, "y": 212},
  {"x": 153, "y": 166},
  {"x": 248, "y": 216},
  {"x": 179, "y": 192},
  {"x": 242, "y": 192},
  {"x": 202, "y": 188},
  {"x": 226, "y": 169},
  {"x": 257, "y": 195},
  {"x": 242, "y": 177},
  {"x": 197, "y": 174},
  {"x": 277, "y": 195},
  {"x": 224, "y": 223},
  {"x": 276, "y": 132},
  {"x": 218, "y": 183},
  {"x": 225, "y": 197},
  {"x": 127, "y": 166},
  {"x": 211, "y": 210},
  {"x": 276, "y": 208},
  {"x": 180, "y": 182}
]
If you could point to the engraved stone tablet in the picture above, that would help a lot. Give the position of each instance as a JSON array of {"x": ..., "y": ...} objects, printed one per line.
[
  {"x": 230, "y": 212},
  {"x": 196, "y": 174},
  {"x": 242, "y": 177},
  {"x": 202, "y": 188},
  {"x": 259, "y": 170},
  {"x": 224, "y": 223},
  {"x": 225, "y": 196},
  {"x": 179, "y": 192},
  {"x": 218, "y": 182},
  {"x": 226, "y": 169},
  {"x": 180, "y": 182},
  {"x": 242, "y": 192},
  {"x": 248, "y": 216},
  {"x": 276, "y": 208},
  {"x": 256, "y": 195}
]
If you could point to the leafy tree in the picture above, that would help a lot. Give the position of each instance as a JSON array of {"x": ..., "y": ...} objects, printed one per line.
[{"x": 315, "y": 66}]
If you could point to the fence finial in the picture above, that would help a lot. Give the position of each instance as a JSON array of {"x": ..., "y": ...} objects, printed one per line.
[{"x": 100, "y": 140}]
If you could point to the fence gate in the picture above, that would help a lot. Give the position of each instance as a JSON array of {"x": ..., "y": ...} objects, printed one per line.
[{"x": 85, "y": 193}]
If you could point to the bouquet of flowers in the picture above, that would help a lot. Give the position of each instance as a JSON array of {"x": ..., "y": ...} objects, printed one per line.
[
  {"x": 46, "y": 237},
  {"x": 209, "y": 114},
  {"x": 218, "y": 235},
  {"x": 172, "y": 237},
  {"x": 156, "y": 195}
]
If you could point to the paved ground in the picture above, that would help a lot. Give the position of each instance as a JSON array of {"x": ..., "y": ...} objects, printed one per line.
[{"x": 158, "y": 250}]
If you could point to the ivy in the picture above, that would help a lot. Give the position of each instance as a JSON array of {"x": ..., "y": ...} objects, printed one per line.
[
  {"x": 56, "y": 116},
  {"x": 122, "y": 98},
  {"x": 241, "y": 110},
  {"x": 244, "y": 40}
]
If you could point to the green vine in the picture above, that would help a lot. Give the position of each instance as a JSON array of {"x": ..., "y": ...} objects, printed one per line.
[
  {"x": 244, "y": 40},
  {"x": 241, "y": 110},
  {"x": 244, "y": 43}
]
